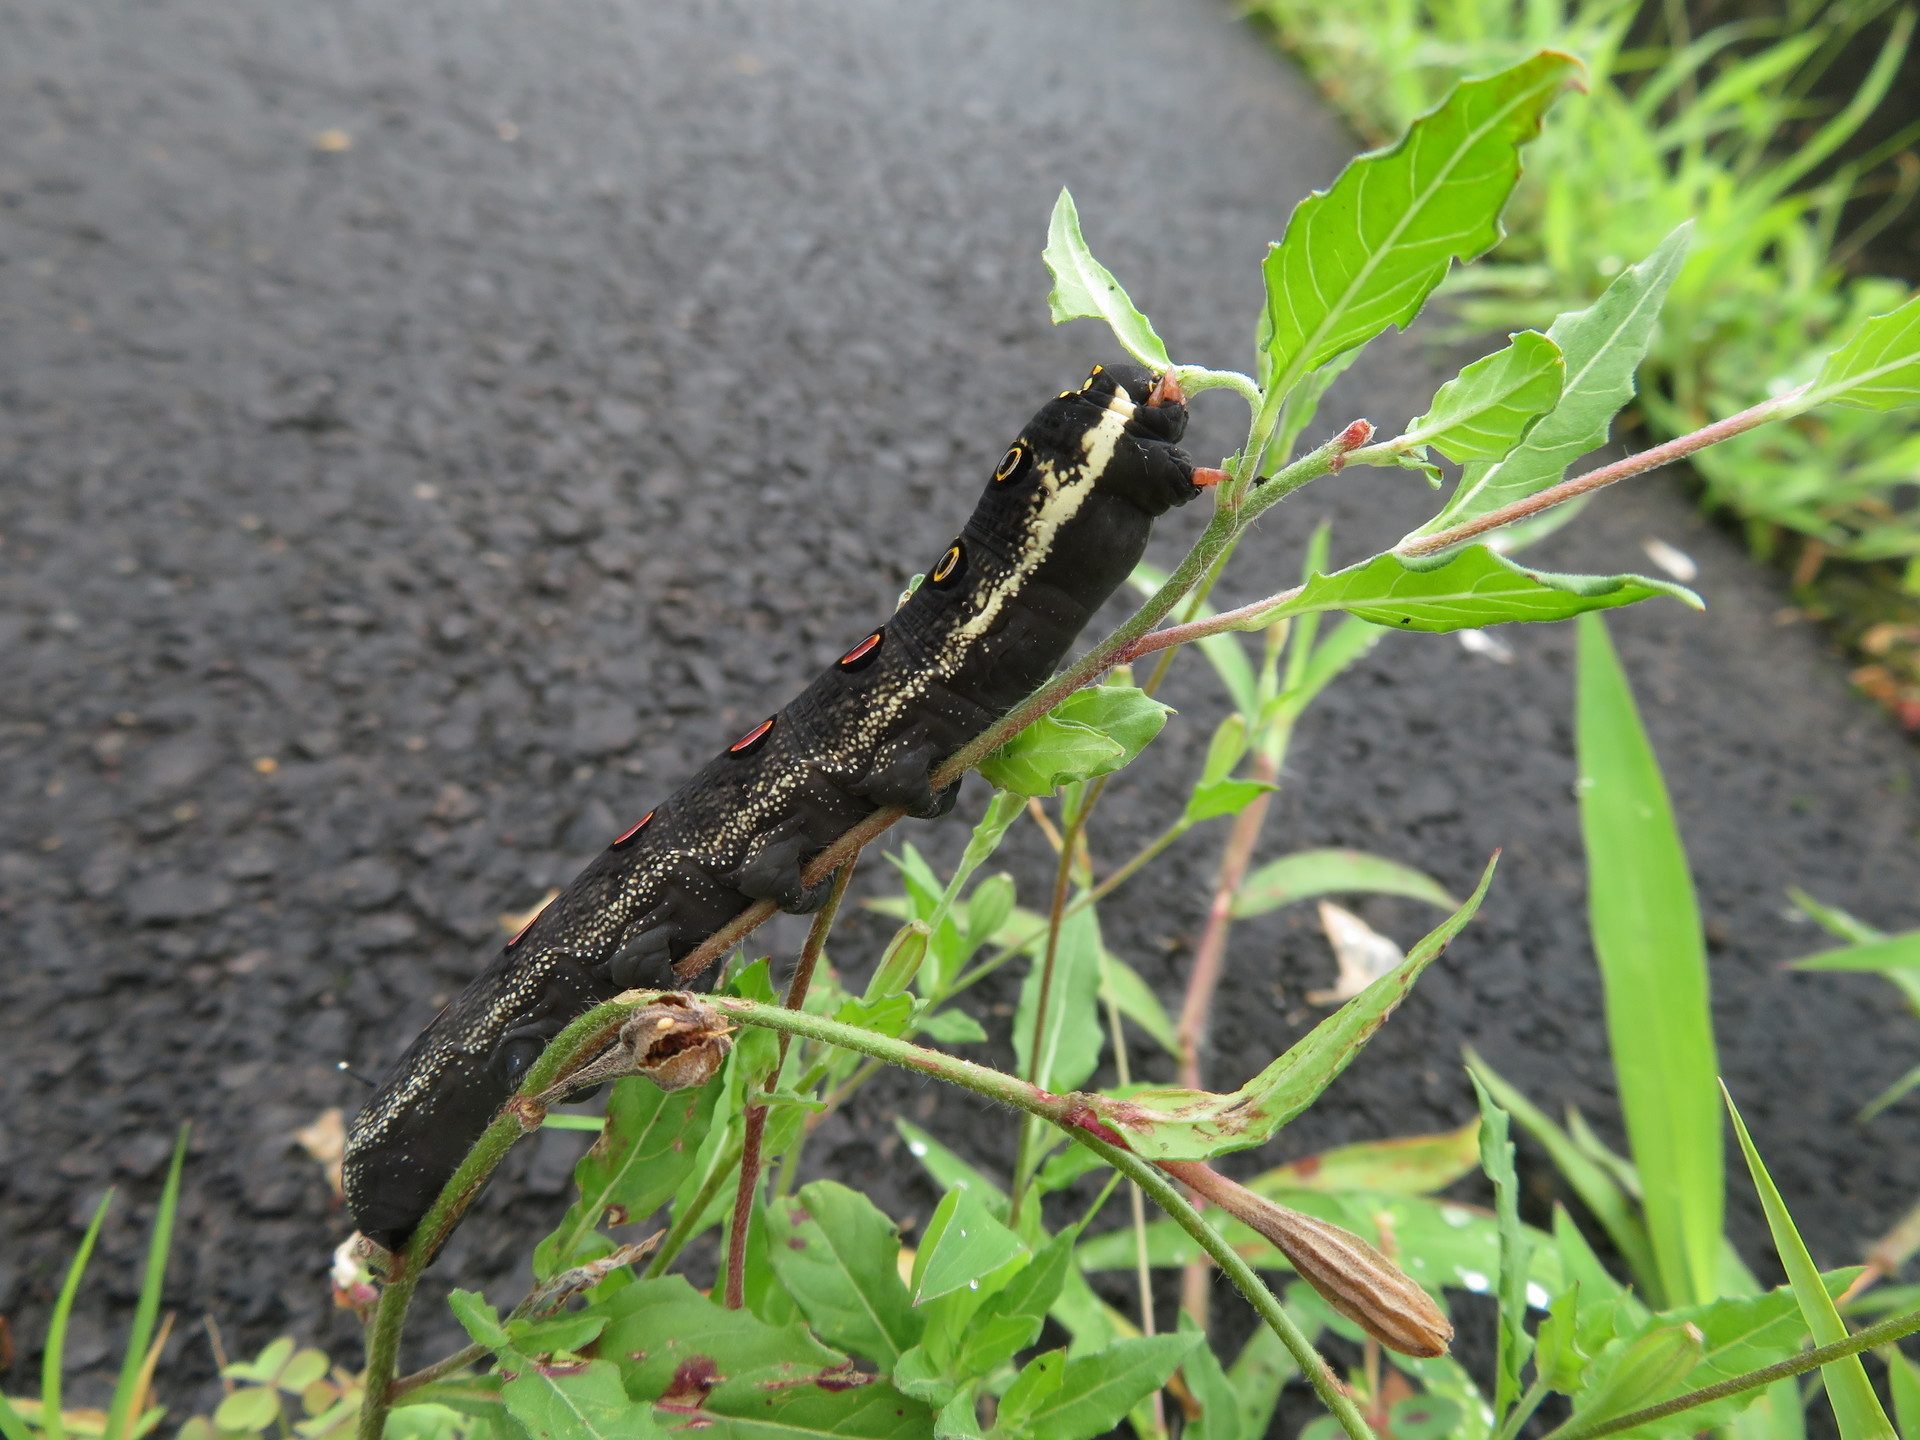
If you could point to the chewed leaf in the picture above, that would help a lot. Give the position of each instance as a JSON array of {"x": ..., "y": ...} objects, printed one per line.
[
  {"x": 1084, "y": 289},
  {"x": 1174, "y": 1124},
  {"x": 1486, "y": 410},
  {"x": 1878, "y": 368},
  {"x": 1366, "y": 252},
  {"x": 1602, "y": 346},
  {"x": 1472, "y": 589}
]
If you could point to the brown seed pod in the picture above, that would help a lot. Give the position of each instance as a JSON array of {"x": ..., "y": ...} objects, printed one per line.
[
  {"x": 1351, "y": 1276},
  {"x": 677, "y": 1041}
]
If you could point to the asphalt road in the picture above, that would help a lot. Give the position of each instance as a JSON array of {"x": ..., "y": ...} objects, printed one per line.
[{"x": 429, "y": 430}]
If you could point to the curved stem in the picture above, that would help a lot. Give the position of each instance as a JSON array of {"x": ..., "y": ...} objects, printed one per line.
[{"x": 1883, "y": 1333}]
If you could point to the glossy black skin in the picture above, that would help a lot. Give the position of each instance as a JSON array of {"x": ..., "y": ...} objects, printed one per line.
[{"x": 1056, "y": 532}]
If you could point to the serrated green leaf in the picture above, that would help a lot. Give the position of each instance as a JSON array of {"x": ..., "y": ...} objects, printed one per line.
[
  {"x": 1306, "y": 874},
  {"x": 1489, "y": 407},
  {"x": 1602, "y": 346},
  {"x": 1855, "y": 1406},
  {"x": 1646, "y": 1371},
  {"x": 1878, "y": 368},
  {"x": 1472, "y": 589},
  {"x": 480, "y": 1320},
  {"x": 1096, "y": 1390},
  {"x": 1366, "y": 252},
  {"x": 1646, "y": 935},
  {"x": 1084, "y": 289},
  {"x": 1177, "y": 1124},
  {"x": 838, "y": 1257},
  {"x": 1496, "y": 1159}
]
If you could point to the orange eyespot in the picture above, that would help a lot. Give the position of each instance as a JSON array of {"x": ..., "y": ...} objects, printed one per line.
[
  {"x": 626, "y": 837},
  {"x": 1011, "y": 464},
  {"x": 754, "y": 738},
  {"x": 949, "y": 566},
  {"x": 861, "y": 655}
]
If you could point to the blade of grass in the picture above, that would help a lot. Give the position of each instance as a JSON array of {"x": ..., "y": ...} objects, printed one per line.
[
  {"x": 1645, "y": 923},
  {"x": 146, "y": 1310},
  {"x": 50, "y": 1424},
  {"x": 1855, "y": 1406}
]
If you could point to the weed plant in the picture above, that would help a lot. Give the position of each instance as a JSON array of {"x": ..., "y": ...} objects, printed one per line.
[{"x": 822, "y": 1323}]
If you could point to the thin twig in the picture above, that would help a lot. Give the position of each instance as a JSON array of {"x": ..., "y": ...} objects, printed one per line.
[
  {"x": 756, "y": 1117},
  {"x": 1884, "y": 1333}
]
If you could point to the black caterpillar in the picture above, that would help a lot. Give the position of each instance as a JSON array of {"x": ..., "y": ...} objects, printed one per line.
[{"x": 1062, "y": 523}]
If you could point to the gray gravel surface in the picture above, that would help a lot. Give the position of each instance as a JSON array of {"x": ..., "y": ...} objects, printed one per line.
[{"x": 429, "y": 430}]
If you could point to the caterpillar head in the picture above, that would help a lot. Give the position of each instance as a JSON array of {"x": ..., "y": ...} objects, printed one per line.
[{"x": 1122, "y": 424}]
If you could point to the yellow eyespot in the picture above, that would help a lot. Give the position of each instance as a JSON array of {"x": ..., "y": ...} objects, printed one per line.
[
  {"x": 1010, "y": 464},
  {"x": 949, "y": 565}
]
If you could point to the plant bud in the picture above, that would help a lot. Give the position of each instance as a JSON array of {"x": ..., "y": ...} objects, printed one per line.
[{"x": 1351, "y": 1276}]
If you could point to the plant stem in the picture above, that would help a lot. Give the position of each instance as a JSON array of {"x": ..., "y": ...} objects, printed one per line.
[
  {"x": 1677, "y": 449},
  {"x": 1881, "y": 1334},
  {"x": 1068, "y": 1112},
  {"x": 1023, "y": 1164},
  {"x": 686, "y": 1221},
  {"x": 756, "y": 1117}
]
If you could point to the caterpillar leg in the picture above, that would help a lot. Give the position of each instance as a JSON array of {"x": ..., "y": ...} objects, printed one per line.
[
  {"x": 906, "y": 780},
  {"x": 774, "y": 872}
]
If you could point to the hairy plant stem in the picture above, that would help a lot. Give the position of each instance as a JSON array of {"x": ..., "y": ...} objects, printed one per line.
[
  {"x": 755, "y": 1122},
  {"x": 1777, "y": 408},
  {"x": 1068, "y": 1113},
  {"x": 1884, "y": 1333},
  {"x": 570, "y": 1049}
]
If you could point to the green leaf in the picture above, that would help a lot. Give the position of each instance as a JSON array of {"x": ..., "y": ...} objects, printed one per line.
[
  {"x": 1602, "y": 346},
  {"x": 1121, "y": 985},
  {"x": 1646, "y": 935},
  {"x": 1220, "y": 1415},
  {"x": 1011, "y": 1318},
  {"x": 1309, "y": 873},
  {"x": 249, "y": 1408},
  {"x": 1905, "y": 1385},
  {"x": 1038, "y": 1380},
  {"x": 963, "y": 1243},
  {"x": 1260, "y": 1371},
  {"x": 1073, "y": 1031},
  {"x": 768, "y": 1382},
  {"x": 1092, "y": 732},
  {"x": 645, "y": 1151},
  {"x": 1175, "y": 1124},
  {"x": 1473, "y": 588},
  {"x": 576, "y": 1400},
  {"x": 1084, "y": 289},
  {"x": 952, "y": 1027},
  {"x": 1424, "y": 1417},
  {"x": 947, "y": 1169},
  {"x": 1496, "y": 1158},
  {"x": 1096, "y": 1390},
  {"x": 888, "y": 1015},
  {"x": 1878, "y": 368},
  {"x": 52, "y": 1358},
  {"x": 1224, "y": 797},
  {"x": 1647, "y": 1371},
  {"x": 480, "y": 1320},
  {"x": 1597, "y": 1189},
  {"x": 1409, "y": 1165},
  {"x": 1895, "y": 952},
  {"x": 1486, "y": 410},
  {"x": 147, "y": 1308},
  {"x": 838, "y": 1257},
  {"x": 1855, "y": 1406},
  {"x": 1559, "y": 1360},
  {"x": 1365, "y": 253}
]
